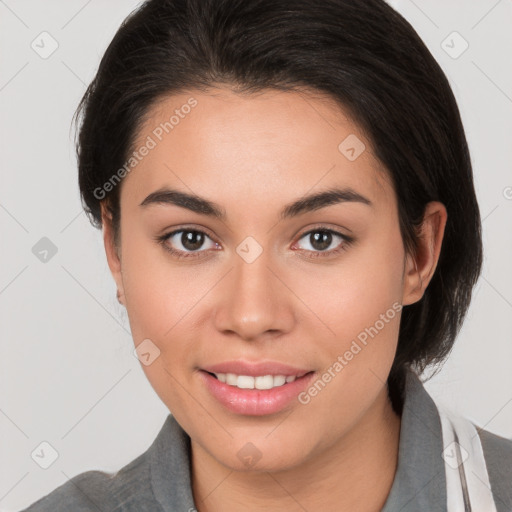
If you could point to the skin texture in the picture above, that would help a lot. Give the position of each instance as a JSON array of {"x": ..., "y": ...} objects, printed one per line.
[{"x": 252, "y": 155}]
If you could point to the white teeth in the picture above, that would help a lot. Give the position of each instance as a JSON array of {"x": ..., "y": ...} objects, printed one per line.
[
  {"x": 231, "y": 379},
  {"x": 245, "y": 382},
  {"x": 260, "y": 382},
  {"x": 279, "y": 380},
  {"x": 265, "y": 382}
]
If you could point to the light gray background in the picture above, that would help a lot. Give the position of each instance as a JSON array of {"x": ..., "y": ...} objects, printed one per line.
[{"x": 68, "y": 373}]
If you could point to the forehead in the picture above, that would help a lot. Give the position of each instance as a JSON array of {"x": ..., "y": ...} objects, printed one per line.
[{"x": 272, "y": 144}]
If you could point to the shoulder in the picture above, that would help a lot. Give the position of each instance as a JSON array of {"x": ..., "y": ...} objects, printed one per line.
[
  {"x": 155, "y": 477},
  {"x": 127, "y": 490},
  {"x": 498, "y": 459}
]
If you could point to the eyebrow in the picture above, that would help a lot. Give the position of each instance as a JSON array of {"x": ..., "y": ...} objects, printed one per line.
[{"x": 303, "y": 205}]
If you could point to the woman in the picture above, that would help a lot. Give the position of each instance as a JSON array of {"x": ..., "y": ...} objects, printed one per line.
[{"x": 288, "y": 209}]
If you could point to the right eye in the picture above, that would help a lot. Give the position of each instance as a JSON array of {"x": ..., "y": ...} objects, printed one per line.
[{"x": 187, "y": 241}]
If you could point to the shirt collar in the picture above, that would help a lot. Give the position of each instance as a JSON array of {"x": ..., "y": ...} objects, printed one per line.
[
  {"x": 170, "y": 459},
  {"x": 420, "y": 482}
]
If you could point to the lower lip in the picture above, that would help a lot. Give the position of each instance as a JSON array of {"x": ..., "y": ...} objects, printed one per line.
[{"x": 255, "y": 402}]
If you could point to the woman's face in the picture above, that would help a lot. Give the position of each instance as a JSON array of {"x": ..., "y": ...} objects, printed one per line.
[{"x": 258, "y": 287}]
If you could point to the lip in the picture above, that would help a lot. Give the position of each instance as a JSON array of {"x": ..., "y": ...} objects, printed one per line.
[
  {"x": 255, "y": 369},
  {"x": 255, "y": 402}
]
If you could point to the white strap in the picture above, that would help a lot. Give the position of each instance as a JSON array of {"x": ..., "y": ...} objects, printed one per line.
[{"x": 467, "y": 480}]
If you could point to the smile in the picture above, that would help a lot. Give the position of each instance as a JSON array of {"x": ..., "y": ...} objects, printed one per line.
[{"x": 255, "y": 395}]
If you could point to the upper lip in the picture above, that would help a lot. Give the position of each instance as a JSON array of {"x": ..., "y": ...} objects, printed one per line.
[{"x": 254, "y": 369}]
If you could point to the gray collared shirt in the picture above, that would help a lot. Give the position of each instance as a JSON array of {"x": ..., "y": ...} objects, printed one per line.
[{"x": 159, "y": 479}]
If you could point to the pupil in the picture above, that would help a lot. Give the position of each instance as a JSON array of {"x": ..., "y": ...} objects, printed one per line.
[
  {"x": 321, "y": 240},
  {"x": 192, "y": 240}
]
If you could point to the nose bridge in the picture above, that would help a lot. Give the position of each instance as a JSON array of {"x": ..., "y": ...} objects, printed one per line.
[{"x": 254, "y": 301}]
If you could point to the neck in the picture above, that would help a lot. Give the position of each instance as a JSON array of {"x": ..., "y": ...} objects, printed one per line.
[{"x": 354, "y": 474}]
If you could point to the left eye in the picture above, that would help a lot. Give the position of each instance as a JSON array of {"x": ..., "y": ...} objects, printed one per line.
[
  {"x": 320, "y": 239},
  {"x": 186, "y": 240}
]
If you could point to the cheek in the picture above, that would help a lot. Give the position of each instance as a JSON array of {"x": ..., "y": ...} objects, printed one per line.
[
  {"x": 352, "y": 295},
  {"x": 360, "y": 301},
  {"x": 361, "y": 304},
  {"x": 158, "y": 297},
  {"x": 162, "y": 300},
  {"x": 157, "y": 293}
]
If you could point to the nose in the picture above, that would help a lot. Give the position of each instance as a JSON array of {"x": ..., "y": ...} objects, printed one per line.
[{"x": 253, "y": 301}]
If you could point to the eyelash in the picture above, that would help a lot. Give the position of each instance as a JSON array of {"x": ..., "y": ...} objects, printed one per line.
[{"x": 347, "y": 241}]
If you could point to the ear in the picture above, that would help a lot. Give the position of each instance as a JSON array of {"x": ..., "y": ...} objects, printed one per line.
[
  {"x": 420, "y": 267},
  {"x": 112, "y": 251}
]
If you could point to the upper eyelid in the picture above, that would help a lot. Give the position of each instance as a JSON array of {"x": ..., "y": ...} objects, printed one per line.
[
  {"x": 186, "y": 228},
  {"x": 322, "y": 228}
]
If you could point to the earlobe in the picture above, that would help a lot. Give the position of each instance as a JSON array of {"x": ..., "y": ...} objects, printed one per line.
[
  {"x": 420, "y": 267},
  {"x": 112, "y": 251}
]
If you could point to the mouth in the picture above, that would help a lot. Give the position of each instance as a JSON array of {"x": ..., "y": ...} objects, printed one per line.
[{"x": 256, "y": 395}]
